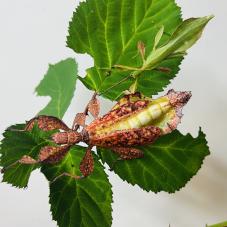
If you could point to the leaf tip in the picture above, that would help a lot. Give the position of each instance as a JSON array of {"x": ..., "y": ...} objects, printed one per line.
[
  {"x": 201, "y": 133},
  {"x": 210, "y": 17}
]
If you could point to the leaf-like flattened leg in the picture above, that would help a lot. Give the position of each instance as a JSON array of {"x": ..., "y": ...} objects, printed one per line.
[
  {"x": 52, "y": 155},
  {"x": 128, "y": 153},
  {"x": 86, "y": 167},
  {"x": 79, "y": 120},
  {"x": 94, "y": 107},
  {"x": 87, "y": 163},
  {"x": 48, "y": 154},
  {"x": 68, "y": 175},
  {"x": 46, "y": 123},
  {"x": 27, "y": 160}
]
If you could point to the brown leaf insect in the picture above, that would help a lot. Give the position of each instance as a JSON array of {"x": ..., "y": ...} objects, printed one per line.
[{"x": 135, "y": 120}]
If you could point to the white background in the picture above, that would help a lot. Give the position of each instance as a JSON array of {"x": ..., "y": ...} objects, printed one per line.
[{"x": 33, "y": 33}]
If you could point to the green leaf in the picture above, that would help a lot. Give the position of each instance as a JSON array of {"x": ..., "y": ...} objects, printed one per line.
[
  {"x": 84, "y": 203},
  {"x": 168, "y": 164},
  {"x": 223, "y": 224},
  {"x": 59, "y": 83},
  {"x": 149, "y": 83},
  {"x": 109, "y": 31},
  {"x": 14, "y": 146},
  {"x": 112, "y": 88}
]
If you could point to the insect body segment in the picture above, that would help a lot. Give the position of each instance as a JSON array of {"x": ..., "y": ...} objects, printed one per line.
[
  {"x": 141, "y": 118},
  {"x": 127, "y": 138},
  {"x": 68, "y": 137}
]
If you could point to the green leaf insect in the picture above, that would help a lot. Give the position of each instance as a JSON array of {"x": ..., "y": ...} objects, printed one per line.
[
  {"x": 113, "y": 38},
  {"x": 181, "y": 40},
  {"x": 110, "y": 31}
]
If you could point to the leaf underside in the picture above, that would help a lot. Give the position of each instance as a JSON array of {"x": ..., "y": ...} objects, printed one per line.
[
  {"x": 84, "y": 203},
  {"x": 167, "y": 165},
  {"x": 110, "y": 30}
]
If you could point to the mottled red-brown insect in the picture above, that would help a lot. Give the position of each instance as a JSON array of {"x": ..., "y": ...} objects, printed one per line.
[{"x": 135, "y": 120}]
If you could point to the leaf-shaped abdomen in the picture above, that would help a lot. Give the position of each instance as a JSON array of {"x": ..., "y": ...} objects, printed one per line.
[
  {"x": 164, "y": 112},
  {"x": 138, "y": 119}
]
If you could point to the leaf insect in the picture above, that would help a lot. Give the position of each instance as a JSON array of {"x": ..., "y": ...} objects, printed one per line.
[{"x": 134, "y": 121}]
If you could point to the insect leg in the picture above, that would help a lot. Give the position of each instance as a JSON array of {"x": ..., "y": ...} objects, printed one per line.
[
  {"x": 93, "y": 107},
  {"x": 24, "y": 160},
  {"x": 79, "y": 120},
  {"x": 87, "y": 163},
  {"x": 86, "y": 167},
  {"x": 52, "y": 155},
  {"x": 141, "y": 48},
  {"x": 48, "y": 154},
  {"x": 68, "y": 175},
  {"x": 46, "y": 123},
  {"x": 126, "y": 153}
]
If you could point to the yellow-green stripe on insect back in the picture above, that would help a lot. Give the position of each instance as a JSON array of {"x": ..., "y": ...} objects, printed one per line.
[{"x": 163, "y": 112}]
